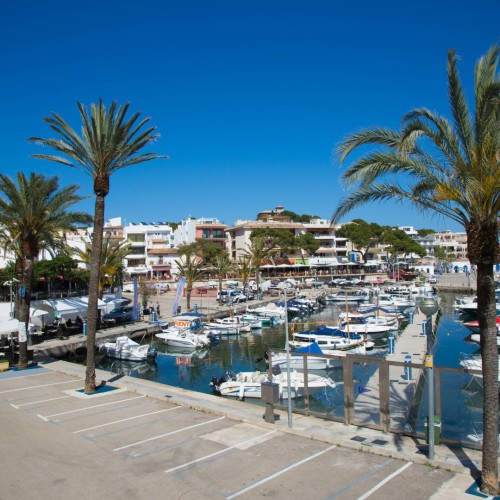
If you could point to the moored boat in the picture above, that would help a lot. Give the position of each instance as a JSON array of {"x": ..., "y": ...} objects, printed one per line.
[{"x": 127, "y": 349}]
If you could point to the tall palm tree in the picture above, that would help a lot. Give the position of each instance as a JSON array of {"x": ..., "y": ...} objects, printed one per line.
[
  {"x": 450, "y": 168},
  {"x": 259, "y": 250},
  {"x": 112, "y": 256},
  {"x": 109, "y": 141},
  {"x": 221, "y": 267},
  {"x": 34, "y": 216},
  {"x": 193, "y": 269}
]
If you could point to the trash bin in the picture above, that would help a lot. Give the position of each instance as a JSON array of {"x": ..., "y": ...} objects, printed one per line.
[{"x": 437, "y": 429}]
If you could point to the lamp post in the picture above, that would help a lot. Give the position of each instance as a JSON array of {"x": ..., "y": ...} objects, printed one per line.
[
  {"x": 10, "y": 284},
  {"x": 288, "y": 377},
  {"x": 429, "y": 307}
]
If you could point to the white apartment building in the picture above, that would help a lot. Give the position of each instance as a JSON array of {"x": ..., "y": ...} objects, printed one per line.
[
  {"x": 152, "y": 249},
  {"x": 332, "y": 248}
]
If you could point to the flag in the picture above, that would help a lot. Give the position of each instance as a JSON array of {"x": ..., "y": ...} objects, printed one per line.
[{"x": 180, "y": 287}]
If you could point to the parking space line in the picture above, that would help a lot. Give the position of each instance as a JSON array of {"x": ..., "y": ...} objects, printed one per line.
[
  {"x": 43, "y": 385},
  {"x": 126, "y": 419},
  {"x": 26, "y": 376},
  {"x": 386, "y": 480},
  {"x": 36, "y": 402},
  {"x": 46, "y": 417},
  {"x": 278, "y": 473},
  {"x": 167, "y": 434},
  {"x": 187, "y": 464}
]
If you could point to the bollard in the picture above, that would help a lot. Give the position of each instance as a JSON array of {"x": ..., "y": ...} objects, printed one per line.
[
  {"x": 195, "y": 308},
  {"x": 407, "y": 368},
  {"x": 410, "y": 318},
  {"x": 84, "y": 328},
  {"x": 391, "y": 343}
]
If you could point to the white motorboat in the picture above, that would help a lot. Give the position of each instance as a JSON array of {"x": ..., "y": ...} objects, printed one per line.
[
  {"x": 127, "y": 349},
  {"x": 269, "y": 311},
  {"x": 248, "y": 384},
  {"x": 328, "y": 339},
  {"x": 232, "y": 325},
  {"x": 350, "y": 297},
  {"x": 474, "y": 363},
  {"x": 368, "y": 317},
  {"x": 186, "y": 331},
  {"x": 476, "y": 337},
  {"x": 183, "y": 338},
  {"x": 296, "y": 359},
  {"x": 371, "y": 329}
]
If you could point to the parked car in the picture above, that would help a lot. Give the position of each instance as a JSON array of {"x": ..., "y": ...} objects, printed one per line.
[
  {"x": 232, "y": 296},
  {"x": 120, "y": 314},
  {"x": 433, "y": 280},
  {"x": 128, "y": 288}
]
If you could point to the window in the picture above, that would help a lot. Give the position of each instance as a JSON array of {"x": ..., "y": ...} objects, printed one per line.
[
  {"x": 206, "y": 233},
  {"x": 218, "y": 233}
]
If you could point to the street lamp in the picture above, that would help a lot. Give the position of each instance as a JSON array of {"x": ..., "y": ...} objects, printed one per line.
[
  {"x": 288, "y": 378},
  {"x": 10, "y": 284},
  {"x": 429, "y": 307}
]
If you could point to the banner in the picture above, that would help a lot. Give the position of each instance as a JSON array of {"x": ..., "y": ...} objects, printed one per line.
[
  {"x": 136, "y": 300},
  {"x": 180, "y": 288}
]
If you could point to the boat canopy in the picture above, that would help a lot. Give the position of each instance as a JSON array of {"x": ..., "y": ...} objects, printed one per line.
[{"x": 313, "y": 348}]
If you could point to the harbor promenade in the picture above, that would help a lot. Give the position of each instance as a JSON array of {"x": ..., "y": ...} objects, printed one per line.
[{"x": 137, "y": 438}]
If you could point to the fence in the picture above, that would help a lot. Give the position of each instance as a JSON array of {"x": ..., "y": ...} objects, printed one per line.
[{"x": 391, "y": 396}]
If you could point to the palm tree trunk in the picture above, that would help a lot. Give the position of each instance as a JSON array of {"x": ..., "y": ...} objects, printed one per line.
[
  {"x": 486, "y": 308},
  {"x": 220, "y": 291},
  {"x": 188, "y": 297},
  {"x": 92, "y": 312},
  {"x": 24, "y": 312}
]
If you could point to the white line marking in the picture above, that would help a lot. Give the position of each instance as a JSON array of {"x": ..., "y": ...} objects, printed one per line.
[
  {"x": 95, "y": 406},
  {"x": 36, "y": 402},
  {"x": 187, "y": 464},
  {"x": 43, "y": 385},
  {"x": 26, "y": 376},
  {"x": 282, "y": 471},
  {"x": 167, "y": 434},
  {"x": 386, "y": 480},
  {"x": 126, "y": 419}
]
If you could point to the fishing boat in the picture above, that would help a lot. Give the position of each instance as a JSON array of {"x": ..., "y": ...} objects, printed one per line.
[
  {"x": 248, "y": 384},
  {"x": 126, "y": 349}
]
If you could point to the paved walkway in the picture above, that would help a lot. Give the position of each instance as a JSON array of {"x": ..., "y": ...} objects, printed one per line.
[{"x": 145, "y": 438}]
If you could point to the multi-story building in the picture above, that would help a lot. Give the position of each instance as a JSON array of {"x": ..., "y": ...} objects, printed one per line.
[
  {"x": 151, "y": 249},
  {"x": 332, "y": 248},
  {"x": 191, "y": 229}
]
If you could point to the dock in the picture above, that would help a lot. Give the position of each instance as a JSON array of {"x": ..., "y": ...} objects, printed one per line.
[{"x": 410, "y": 346}]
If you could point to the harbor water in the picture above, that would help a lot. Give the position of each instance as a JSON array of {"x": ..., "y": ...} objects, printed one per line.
[{"x": 461, "y": 405}]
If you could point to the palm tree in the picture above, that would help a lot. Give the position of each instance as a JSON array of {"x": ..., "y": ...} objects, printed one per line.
[
  {"x": 193, "y": 270},
  {"x": 258, "y": 251},
  {"x": 450, "y": 168},
  {"x": 221, "y": 267},
  {"x": 34, "y": 216},
  {"x": 109, "y": 141},
  {"x": 112, "y": 256},
  {"x": 245, "y": 270}
]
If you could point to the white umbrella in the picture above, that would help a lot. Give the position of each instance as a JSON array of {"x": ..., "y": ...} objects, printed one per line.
[
  {"x": 267, "y": 266},
  {"x": 282, "y": 266}
]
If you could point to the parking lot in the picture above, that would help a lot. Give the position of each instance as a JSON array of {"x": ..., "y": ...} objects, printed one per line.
[{"x": 60, "y": 443}]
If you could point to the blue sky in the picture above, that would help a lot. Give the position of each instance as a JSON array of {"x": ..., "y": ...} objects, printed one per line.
[{"x": 250, "y": 97}]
